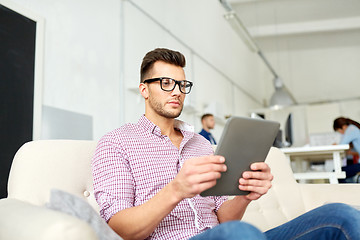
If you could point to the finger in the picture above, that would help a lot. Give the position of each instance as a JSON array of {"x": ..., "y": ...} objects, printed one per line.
[
  {"x": 205, "y": 177},
  {"x": 257, "y": 175},
  {"x": 260, "y": 166},
  {"x": 211, "y": 168},
  {"x": 253, "y": 196},
  {"x": 199, "y": 188},
  {"x": 255, "y": 182},
  {"x": 254, "y": 189},
  {"x": 207, "y": 159},
  {"x": 190, "y": 170},
  {"x": 204, "y": 164}
]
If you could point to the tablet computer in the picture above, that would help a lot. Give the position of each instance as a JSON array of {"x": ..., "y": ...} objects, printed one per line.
[{"x": 243, "y": 142}]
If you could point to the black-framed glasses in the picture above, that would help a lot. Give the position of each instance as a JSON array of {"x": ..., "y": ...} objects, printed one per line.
[{"x": 168, "y": 84}]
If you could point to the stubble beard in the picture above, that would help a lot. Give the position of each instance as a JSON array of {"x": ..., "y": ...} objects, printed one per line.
[
  {"x": 210, "y": 127},
  {"x": 158, "y": 108}
]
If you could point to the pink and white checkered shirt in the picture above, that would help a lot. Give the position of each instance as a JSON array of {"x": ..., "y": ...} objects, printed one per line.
[{"x": 134, "y": 162}]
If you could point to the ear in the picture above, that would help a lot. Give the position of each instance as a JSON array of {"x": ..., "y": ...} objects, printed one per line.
[{"x": 144, "y": 91}]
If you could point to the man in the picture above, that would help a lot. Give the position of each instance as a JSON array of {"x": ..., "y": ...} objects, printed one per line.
[
  {"x": 148, "y": 175},
  {"x": 208, "y": 122}
]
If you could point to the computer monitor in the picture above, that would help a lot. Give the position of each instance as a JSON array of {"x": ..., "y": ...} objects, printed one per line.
[
  {"x": 278, "y": 140},
  {"x": 288, "y": 131},
  {"x": 257, "y": 115}
]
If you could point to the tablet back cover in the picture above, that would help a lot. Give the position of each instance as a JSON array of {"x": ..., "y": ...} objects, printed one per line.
[{"x": 243, "y": 142}]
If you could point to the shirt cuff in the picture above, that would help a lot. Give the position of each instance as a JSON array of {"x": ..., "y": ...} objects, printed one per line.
[{"x": 111, "y": 210}]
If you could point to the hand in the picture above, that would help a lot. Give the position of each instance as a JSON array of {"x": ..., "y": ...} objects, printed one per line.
[
  {"x": 257, "y": 181},
  {"x": 197, "y": 175}
]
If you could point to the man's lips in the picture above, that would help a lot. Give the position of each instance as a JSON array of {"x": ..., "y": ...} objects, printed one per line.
[{"x": 174, "y": 103}]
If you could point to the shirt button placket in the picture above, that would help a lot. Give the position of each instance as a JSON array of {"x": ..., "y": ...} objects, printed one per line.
[{"x": 180, "y": 163}]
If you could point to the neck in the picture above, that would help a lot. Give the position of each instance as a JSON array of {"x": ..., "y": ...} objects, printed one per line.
[
  {"x": 166, "y": 125},
  {"x": 206, "y": 129}
]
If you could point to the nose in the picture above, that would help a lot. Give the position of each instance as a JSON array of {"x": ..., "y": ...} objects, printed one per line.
[{"x": 176, "y": 90}]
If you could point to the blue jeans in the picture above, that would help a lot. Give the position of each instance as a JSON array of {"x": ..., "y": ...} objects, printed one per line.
[{"x": 329, "y": 222}]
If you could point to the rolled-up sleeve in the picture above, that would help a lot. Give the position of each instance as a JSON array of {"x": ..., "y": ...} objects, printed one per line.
[
  {"x": 113, "y": 181},
  {"x": 219, "y": 201}
]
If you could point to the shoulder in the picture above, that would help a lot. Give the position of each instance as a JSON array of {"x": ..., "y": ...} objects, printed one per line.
[
  {"x": 353, "y": 129},
  {"x": 199, "y": 137},
  {"x": 121, "y": 134},
  {"x": 201, "y": 142},
  {"x": 203, "y": 133},
  {"x": 126, "y": 129}
]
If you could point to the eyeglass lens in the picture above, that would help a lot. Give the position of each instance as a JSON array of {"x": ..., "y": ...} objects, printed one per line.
[{"x": 168, "y": 84}]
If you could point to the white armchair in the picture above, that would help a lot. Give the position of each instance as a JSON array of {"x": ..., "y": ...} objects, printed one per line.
[
  {"x": 288, "y": 199},
  {"x": 40, "y": 166}
]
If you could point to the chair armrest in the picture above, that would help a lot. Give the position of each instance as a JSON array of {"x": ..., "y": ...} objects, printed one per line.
[
  {"x": 21, "y": 220},
  {"x": 315, "y": 195}
]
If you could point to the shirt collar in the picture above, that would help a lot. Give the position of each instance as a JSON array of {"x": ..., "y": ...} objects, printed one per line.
[
  {"x": 151, "y": 127},
  {"x": 183, "y": 126}
]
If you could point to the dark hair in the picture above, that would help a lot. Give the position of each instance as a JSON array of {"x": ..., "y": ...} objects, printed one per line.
[
  {"x": 341, "y": 121},
  {"x": 206, "y": 115},
  {"x": 160, "y": 54}
]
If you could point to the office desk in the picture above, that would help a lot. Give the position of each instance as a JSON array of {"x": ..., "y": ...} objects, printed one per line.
[{"x": 317, "y": 154}]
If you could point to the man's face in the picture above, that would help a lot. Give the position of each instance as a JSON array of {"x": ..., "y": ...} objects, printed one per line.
[
  {"x": 209, "y": 122},
  {"x": 166, "y": 104}
]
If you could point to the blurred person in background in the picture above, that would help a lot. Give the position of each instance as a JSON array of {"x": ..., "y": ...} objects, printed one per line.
[
  {"x": 208, "y": 123},
  {"x": 350, "y": 131}
]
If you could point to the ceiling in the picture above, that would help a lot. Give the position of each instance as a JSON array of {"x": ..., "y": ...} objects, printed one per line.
[
  {"x": 292, "y": 33},
  {"x": 270, "y": 18}
]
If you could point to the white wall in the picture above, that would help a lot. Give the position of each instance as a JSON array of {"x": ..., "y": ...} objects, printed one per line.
[
  {"x": 93, "y": 50},
  {"x": 81, "y": 58},
  {"x": 223, "y": 70}
]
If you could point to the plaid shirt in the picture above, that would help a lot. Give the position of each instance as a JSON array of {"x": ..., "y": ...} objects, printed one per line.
[{"x": 134, "y": 162}]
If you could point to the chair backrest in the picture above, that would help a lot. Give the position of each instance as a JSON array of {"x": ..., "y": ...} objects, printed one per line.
[
  {"x": 284, "y": 200},
  {"x": 40, "y": 166}
]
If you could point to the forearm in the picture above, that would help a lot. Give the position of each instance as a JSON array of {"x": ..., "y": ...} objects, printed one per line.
[
  {"x": 233, "y": 209},
  {"x": 140, "y": 221},
  {"x": 195, "y": 176}
]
